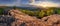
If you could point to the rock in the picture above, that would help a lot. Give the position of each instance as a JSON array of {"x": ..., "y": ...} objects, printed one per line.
[
  {"x": 26, "y": 20},
  {"x": 6, "y": 20},
  {"x": 52, "y": 19}
]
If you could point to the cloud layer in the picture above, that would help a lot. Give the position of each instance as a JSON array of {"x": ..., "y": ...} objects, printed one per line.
[{"x": 26, "y": 2}]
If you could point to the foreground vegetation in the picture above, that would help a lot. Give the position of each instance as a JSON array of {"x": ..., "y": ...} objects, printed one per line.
[
  {"x": 1, "y": 11},
  {"x": 42, "y": 13},
  {"x": 38, "y": 13}
]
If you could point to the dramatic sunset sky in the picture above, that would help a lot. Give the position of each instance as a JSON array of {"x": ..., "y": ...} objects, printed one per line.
[{"x": 43, "y": 3}]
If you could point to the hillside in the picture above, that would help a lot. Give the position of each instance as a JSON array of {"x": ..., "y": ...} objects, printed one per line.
[
  {"x": 23, "y": 17},
  {"x": 26, "y": 20}
]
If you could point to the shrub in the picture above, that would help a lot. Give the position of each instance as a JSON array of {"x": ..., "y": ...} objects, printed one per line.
[
  {"x": 58, "y": 11},
  {"x": 49, "y": 11},
  {"x": 41, "y": 13},
  {"x": 1, "y": 11}
]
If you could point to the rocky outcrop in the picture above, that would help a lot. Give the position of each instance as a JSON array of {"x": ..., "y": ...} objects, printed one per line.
[
  {"x": 17, "y": 18},
  {"x": 22, "y": 19},
  {"x": 6, "y": 20},
  {"x": 25, "y": 20},
  {"x": 53, "y": 20}
]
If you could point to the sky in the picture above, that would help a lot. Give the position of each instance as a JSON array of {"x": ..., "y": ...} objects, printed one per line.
[{"x": 43, "y": 3}]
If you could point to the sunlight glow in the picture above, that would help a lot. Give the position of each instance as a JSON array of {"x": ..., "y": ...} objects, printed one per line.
[{"x": 45, "y": 4}]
